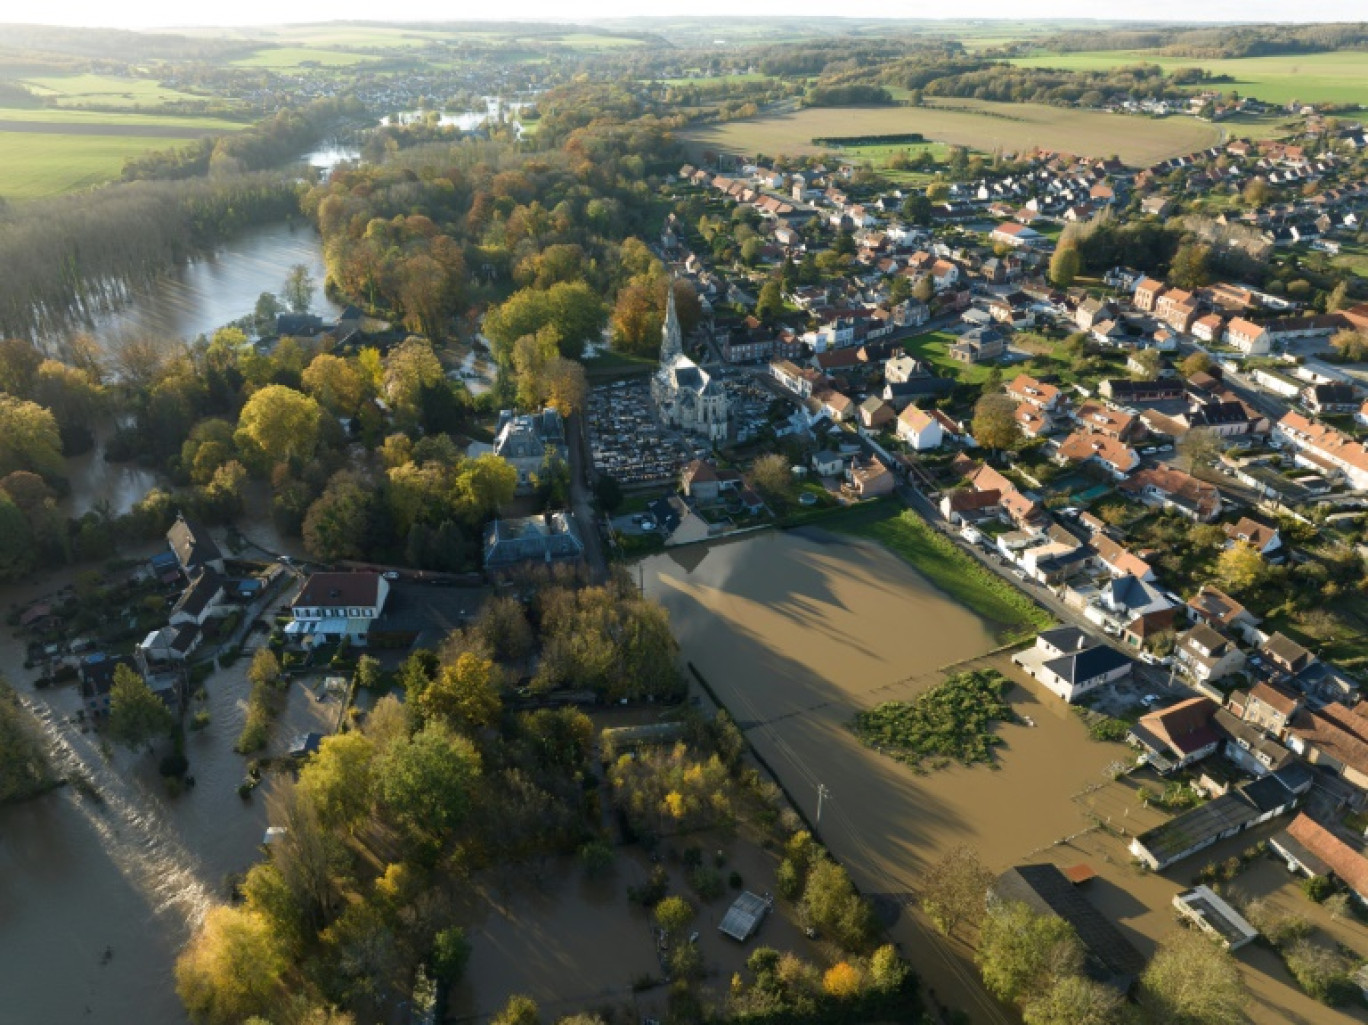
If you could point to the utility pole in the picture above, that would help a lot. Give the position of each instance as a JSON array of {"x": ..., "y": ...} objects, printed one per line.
[{"x": 822, "y": 794}]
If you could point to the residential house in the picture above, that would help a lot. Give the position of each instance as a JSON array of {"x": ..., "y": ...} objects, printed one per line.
[
  {"x": 1177, "y": 308},
  {"x": 1014, "y": 234},
  {"x": 1250, "y": 338},
  {"x": 1132, "y": 608},
  {"x": 836, "y": 405},
  {"x": 1032, "y": 421},
  {"x": 1045, "y": 397},
  {"x": 1264, "y": 539},
  {"x": 1334, "y": 397},
  {"x": 1177, "y": 736},
  {"x": 919, "y": 429},
  {"x": 331, "y": 606},
  {"x": 1249, "y": 747},
  {"x": 1324, "y": 448},
  {"x": 799, "y": 380},
  {"x": 1334, "y": 738},
  {"x": 876, "y": 414},
  {"x": 1125, "y": 392},
  {"x": 1070, "y": 664},
  {"x": 680, "y": 522},
  {"x": 1119, "y": 560},
  {"x": 965, "y": 505},
  {"x": 1216, "y": 608},
  {"x": 1176, "y": 491},
  {"x": 200, "y": 601},
  {"x": 1114, "y": 423},
  {"x": 193, "y": 547},
  {"x": 869, "y": 478},
  {"x": 1312, "y": 849},
  {"x": 1205, "y": 908},
  {"x": 1109, "y": 958},
  {"x": 1156, "y": 206},
  {"x": 1147, "y": 293},
  {"x": 525, "y": 441},
  {"x": 828, "y": 462},
  {"x": 96, "y": 676},
  {"x": 1208, "y": 654},
  {"x": 1208, "y": 328},
  {"x": 1268, "y": 706},
  {"x": 1093, "y": 311},
  {"x": 1116, "y": 457},
  {"x": 700, "y": 481},
  {"x": 901, "y": 369},
  {"x": 979, "y": 345}
]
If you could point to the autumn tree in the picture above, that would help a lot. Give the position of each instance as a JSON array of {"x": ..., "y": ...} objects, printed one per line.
[
  {"x": 673, "y": 915},
  {"x": 424, "y": 782},
  {"x": 1022, "y": 954},
  {"x": 278, "y": 424},
  {"x": 29, "y": 439},
  {"x": 465, "y": 694},
  {"x": 337, "y": 780},
  {"x": 299, "y": 288},
  {"x": 232, "y": 968},
  {"x": 519, "y": 1010},
  {"x": 843, "y": 980},
  {"x": 995, "y": 424},
  {"x": 136, "y": 715},
  {"x": 771, "y": 476},
  {"x": 410, "y": 368},
  {"x": 1076, "y": 1000},
  {"x": 18, "y": 555},
  {"x": 1065, "y": 265},
  {"x": 23, "y": 762},
  {"x": 1351, "y": 345},
  {"x": 1190, "y": 268},
  {"x": 337, "y": 525},
  {"x": 1193, "y": 981},
  {"x": 1241, "y": 568},
  {"x": 335, "y": 383},
  {"x": 573, "y": 307},
  {"x": 1198, "y": 363},
  {"x": 771, "y": 302},
  {"x": 954, "y": 889},
  {"x": 1149, "y": 361}
]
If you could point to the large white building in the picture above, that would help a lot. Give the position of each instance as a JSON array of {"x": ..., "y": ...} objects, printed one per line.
[{"x": 686, "y": 396}]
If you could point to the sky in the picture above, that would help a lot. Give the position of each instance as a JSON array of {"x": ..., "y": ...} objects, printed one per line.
[{"x": 167, "y": 13}]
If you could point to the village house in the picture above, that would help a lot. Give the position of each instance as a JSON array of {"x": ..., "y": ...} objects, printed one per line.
[
  {"x": 551, "y": 538},
  {"x": 1046, "y": 397},
  {"x": 1114, "y": 423},
  {"x": 1175, "y": 490},
  {"x": 1268, "y": 706},
  {"x": 1014, "y": 234},
  {"x": 1116, "y": 457},
  {"x": 1323, "y": 448},
  {"x": 1249, "y": 747},
  {"x": 1216, "y": 608},
  {"x": 1177, "y": 736},
  {"x": 200, "y": 601},
  {"x": 1208, "y": 328},
  {"x": 1120, "y": 561},
  {"x": 1177, "y": 308},
  {"x": 1330, "y": 398},
  {"x": 1250, "y": 338},
  {"x": 1264, "y": 539},
  {"x": 1313, "y": 850},
  {"x": 1126, "y": 392},
  {"x": 331, "y": 606},
  {"x": 701, "y": 482},
  {"x": 1208, "y": 654},
  {"x": 965, "y": 505},
  {"x": 979, "y": 345},
  {"x": 525, "y": 441},
  {"x": 1147, "y": 293},
  {"x": 1334, "y": 738},
  {"x": 869, "y": 478},
  {"x": 919, "y": 429},
  {"x": 876, "y": 414},
  {"x": 1070, "y": 663},
  {"x": 1093, "y": 311},
  {"x": 193, "y": 547}
]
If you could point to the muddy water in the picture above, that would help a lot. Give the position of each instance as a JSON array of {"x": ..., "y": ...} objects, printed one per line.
[
  {"x": 796, "y": 634},
  {"x": 96, "y": 897}
]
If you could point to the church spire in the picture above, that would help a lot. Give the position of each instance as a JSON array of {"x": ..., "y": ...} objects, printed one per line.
[{"x": 671, "y": 337}]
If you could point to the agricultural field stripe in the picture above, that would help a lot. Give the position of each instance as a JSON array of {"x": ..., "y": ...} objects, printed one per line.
[{"x": 106, "y": 128}]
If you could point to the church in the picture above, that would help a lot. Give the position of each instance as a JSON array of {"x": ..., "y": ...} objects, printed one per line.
[{"x": 685, "y": 395}]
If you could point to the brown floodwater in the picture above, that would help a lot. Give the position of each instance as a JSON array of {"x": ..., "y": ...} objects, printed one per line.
[{"x": 797, "y": 632}]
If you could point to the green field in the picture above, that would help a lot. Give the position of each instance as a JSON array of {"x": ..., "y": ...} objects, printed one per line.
[
  {"x": 1340, "y": 77},
  {"x": 880, "y": 155},
  {"x": 978, "y": 124},
  {"x": 106, "y": 91},
  {"x": 95, "y": 122},
  {"x": 297, "y": 56},
  {"x": 37, "y": 165}
]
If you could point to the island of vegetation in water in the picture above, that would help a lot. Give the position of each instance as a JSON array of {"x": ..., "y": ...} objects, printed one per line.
[{"x": 953, "y": 721}]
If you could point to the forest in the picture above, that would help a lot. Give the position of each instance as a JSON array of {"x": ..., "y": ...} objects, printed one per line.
[{"x": 1214, "y": 43}]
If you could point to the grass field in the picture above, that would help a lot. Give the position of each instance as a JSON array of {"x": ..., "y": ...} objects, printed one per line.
[
  {"x": 978, "y": 124},
  {"x": 1340, "y": 77},
  {"x": 934, "y": 348},
  {"x": 297, "y": 56},
  {"x": 37, "y": 165},
  {"x": 106, "y": 91}
]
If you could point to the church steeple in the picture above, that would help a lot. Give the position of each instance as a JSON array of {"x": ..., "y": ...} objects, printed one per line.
[{"x": 671, "y": 337}]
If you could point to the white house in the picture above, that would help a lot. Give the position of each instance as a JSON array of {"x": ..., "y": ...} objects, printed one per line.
[
  {"x": 1070, "y": 664},
  {"x": 1251, "y": 339},
  {"x": 919, "y": 429},
  {"x": 331, "y": 606}
]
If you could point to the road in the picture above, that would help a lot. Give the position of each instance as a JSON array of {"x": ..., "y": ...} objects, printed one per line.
[{"x": 582, "y": 499}]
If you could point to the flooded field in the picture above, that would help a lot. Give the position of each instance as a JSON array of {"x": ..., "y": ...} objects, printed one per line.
[{"x": 797, "y": 633}]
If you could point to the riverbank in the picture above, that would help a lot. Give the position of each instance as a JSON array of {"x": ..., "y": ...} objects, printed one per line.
[{"x": 1015, "y": 616}]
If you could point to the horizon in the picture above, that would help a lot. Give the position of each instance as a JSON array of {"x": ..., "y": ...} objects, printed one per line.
[{"x": 169, "y": 16}]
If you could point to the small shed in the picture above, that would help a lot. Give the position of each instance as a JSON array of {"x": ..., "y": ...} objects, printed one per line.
[{"x": 744, "y": 916}]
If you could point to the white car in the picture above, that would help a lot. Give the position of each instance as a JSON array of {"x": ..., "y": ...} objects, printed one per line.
[{"x": 1150, "y": 700}]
